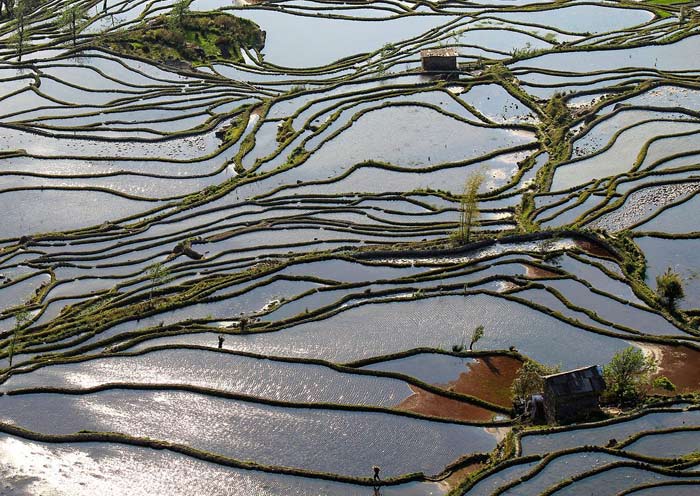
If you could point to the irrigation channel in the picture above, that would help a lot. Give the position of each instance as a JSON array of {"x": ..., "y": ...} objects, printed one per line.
[{"x": 298, "y": 194}]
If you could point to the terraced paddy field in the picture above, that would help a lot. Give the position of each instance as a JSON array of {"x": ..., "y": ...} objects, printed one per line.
[{"x": 238, "y": 257}]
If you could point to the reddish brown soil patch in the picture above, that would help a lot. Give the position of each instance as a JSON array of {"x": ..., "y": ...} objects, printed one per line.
[
  {"x": 427, "y": 403},
  {"x": 534, "y": 272},
  {"x": 682, "y": 366},
  {"x": 489, "y": 378},
  {"x": 593, "y": 248}
]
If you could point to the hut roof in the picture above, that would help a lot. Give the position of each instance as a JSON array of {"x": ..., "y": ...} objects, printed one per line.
[
  {"x": 578, "y": 381},
  {"x": 438, "y": 52}
]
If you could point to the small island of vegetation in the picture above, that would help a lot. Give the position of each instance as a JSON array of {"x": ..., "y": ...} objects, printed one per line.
[{"x": 182, "y": 35}]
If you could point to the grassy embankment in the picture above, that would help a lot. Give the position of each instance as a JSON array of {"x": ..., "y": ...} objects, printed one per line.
[{"x": 198, "y": 38}]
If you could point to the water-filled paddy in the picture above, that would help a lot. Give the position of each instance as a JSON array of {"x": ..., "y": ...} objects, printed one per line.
[
  {"x": 676, "y": 219},
  {"x": 548, "y": 443},
  {"x": 619, "y": 479},
  {"x": 391, "y": 327},
  {"x": 680, "y": 255},
  {"x": 666, "y": 445},
  {"x": 318, "y": 41},
  {"x": 88, "y": 467},
  {"x": 247, "y": 431},
  {"x": 561, "y": 469},
  {"x": 301, "y": 200},
  {"x": 34, "y": 211},
  {"x": 251, "y": 376}
]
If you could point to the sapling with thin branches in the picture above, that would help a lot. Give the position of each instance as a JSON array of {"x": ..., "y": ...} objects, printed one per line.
[
  {"x": 72, "y": 19},
  {"x": 469, "y": 205},
  {"x": 158, "y": 274},
  {"x": 179, "y": 11},
  {"x": 477, "y": 334},
  {"x": 20, "y": 11}
]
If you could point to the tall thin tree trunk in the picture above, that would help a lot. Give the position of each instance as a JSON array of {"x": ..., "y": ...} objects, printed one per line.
[
  {"x": 20, "y": 40},
  {"x": 469, "y": 225}
]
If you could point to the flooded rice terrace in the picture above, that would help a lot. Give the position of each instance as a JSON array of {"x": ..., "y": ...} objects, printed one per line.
[{"x": 245, "y": 245}]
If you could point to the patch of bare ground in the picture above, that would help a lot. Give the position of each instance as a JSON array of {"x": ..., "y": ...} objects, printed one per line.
[
  {"x": 533, "y": 272},
  {"x": 427, "y": 403},
  {"x": 488, "y": 378},
  {"x": 681, "y": 364},
  {"x": 593, "y": 248}
]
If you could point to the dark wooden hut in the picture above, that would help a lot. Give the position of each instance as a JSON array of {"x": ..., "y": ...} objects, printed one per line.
[
  {"x": 573, "y": 394},
  {"x": 439, "y": 59}
]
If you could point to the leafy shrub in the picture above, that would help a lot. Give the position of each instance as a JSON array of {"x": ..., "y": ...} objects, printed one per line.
[
  {"x": 529, "y": 380},
  {"x": 669, "y": 288},
  {"x": 663, "y": 382},
  {"x": 627, "y": 374}
]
